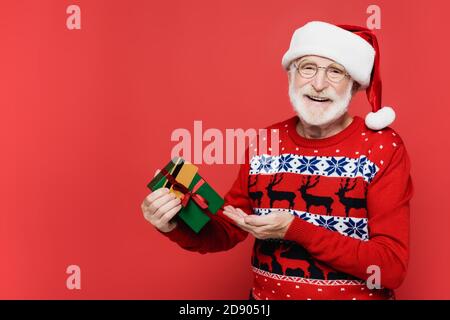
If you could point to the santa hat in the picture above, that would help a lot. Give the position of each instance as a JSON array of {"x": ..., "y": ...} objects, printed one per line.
[{"x": 355, "y": 48}]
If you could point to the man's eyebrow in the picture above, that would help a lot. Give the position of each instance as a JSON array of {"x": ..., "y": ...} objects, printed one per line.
[
  {"x": 333, "y": 64},
  {"x": 305, "y": 59},
  {"x": 337, "y": 66}
]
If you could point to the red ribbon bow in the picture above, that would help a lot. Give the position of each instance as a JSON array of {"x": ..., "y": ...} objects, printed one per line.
[{"x": 188, "y": 194}]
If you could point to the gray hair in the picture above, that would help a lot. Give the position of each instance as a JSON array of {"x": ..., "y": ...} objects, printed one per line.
[{"x": 292, "y": 69}]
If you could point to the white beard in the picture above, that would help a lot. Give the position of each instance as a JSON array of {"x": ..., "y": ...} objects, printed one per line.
[{"x": 318, "y": 116}]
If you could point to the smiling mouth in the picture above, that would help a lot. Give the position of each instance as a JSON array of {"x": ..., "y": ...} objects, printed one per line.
[{"x": 317, "y": 99}]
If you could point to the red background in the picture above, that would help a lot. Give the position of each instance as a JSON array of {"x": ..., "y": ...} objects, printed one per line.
[{"x": 86, "y": 118}]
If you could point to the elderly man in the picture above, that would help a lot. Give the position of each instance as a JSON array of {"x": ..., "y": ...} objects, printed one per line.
[{"x": 330, "y": 213}]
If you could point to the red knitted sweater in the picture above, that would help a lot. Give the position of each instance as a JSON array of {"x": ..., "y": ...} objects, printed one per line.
[{"x": 350, "y": 196}]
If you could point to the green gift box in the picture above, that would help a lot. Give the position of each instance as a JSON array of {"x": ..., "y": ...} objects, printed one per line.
[{"x": 199, "y": 199}]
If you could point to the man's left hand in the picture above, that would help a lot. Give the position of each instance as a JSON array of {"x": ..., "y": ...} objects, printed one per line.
[{"x": 271, "y": 226}]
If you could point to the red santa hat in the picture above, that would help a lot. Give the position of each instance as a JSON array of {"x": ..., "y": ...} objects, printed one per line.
[{"x": 355, "y": 48}]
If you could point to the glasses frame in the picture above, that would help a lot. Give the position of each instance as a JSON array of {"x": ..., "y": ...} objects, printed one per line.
[{"x": 297, "y": 66}]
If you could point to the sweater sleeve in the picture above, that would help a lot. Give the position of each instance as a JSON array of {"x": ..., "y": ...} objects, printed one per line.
[
  {"x": 388, "y": 198},
  {"x": 220, "y": 233}
]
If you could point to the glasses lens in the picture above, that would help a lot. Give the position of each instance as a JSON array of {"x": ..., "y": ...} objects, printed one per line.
[
  {"x": 307, "y": 70},
  {"x": 335, "y": 74}
]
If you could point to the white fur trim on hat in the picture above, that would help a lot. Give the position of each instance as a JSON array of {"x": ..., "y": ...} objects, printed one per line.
[
  {"x": 329, "y": 41},
  {"x": 380, "y": 119}
]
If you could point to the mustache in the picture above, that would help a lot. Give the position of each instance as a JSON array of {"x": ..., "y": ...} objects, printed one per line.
[{"x": 309, "y": 90}]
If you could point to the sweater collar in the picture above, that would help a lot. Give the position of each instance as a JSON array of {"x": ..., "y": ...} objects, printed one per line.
[{"x": 356, "y": 123}]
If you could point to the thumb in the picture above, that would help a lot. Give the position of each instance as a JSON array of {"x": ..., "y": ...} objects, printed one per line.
[{"x": 156, "y": 172}]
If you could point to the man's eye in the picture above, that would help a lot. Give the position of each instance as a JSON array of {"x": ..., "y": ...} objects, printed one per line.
[{"x": 336, "y": 71}]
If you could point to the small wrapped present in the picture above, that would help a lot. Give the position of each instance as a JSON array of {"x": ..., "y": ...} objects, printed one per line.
[{"x": 198, "y": 199}]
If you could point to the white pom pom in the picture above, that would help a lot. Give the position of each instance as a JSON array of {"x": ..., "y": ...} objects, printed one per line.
[{"x": 380, "y": 119}]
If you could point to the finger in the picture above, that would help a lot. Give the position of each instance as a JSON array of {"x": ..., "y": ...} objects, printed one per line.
[
  {"x": 241, "y": 213},
  {"x": 143, "y": 206},
  {"x": 155, "y": 205},
  {"x": 233, "y": 215},
  {"x": 156, "y": 172},
  {"x": 236, "y": 211},
  {"x": 155, "y": 195},
  {"x": 170, "y": 214},
  {"x": 229, "y": 208},
  {"x": 239, "y": 221},
  {"x": 166, "y": 207},
  {"x": 243, "y": 226},
  {"x": 230, "y": 215}
]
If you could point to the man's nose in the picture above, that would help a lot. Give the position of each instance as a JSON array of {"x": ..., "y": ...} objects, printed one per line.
[{"x": 320, "y": 80}]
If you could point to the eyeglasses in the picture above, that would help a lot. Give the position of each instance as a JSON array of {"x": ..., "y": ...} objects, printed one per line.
[{"x": 309, "y": 69}]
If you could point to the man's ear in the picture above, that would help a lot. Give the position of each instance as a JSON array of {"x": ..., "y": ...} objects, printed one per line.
[{"x": 355, "y": 87}]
